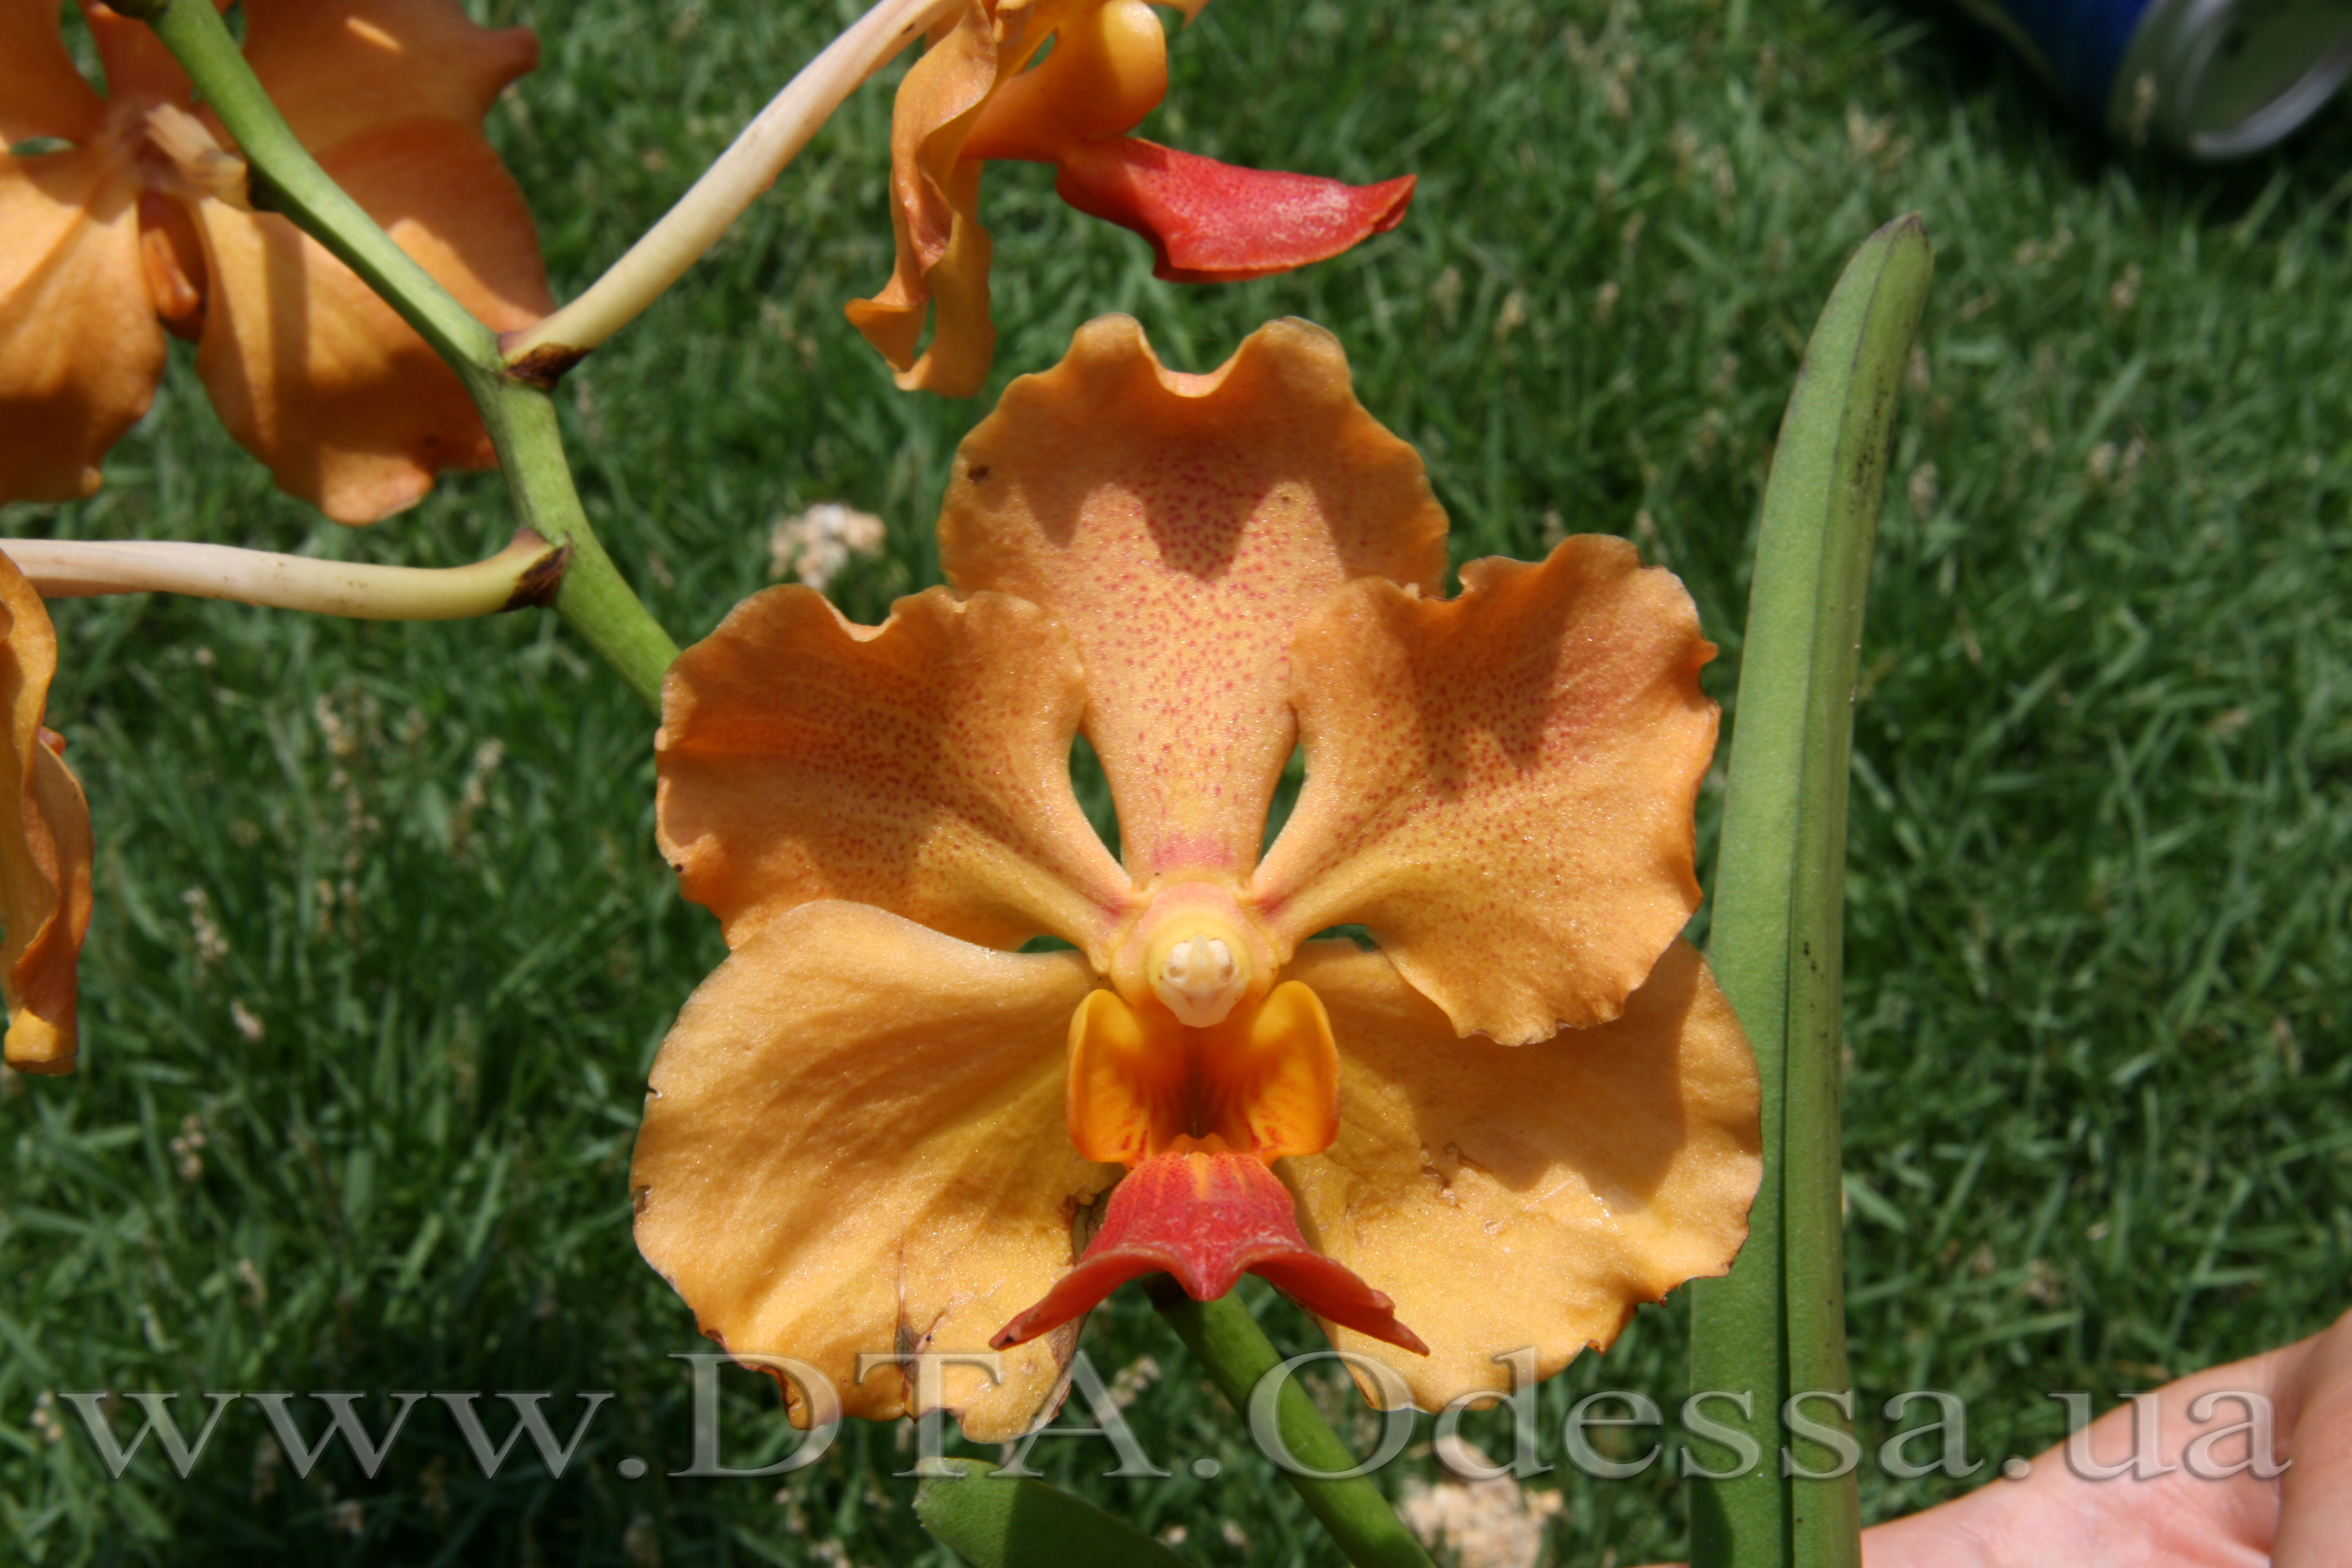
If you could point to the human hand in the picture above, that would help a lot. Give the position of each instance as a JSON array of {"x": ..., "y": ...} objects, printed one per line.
[{"x": 2299, "y": 1518}]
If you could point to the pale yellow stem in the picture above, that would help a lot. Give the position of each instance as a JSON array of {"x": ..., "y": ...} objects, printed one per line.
[
  {"x": 525, "y": 573},
  {"x": 729, "y": 186}
]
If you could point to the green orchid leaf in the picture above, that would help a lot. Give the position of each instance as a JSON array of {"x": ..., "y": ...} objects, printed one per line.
[
  {"x": 1007, "y": 1522},
  {"x": 1776, "y": 1325}
]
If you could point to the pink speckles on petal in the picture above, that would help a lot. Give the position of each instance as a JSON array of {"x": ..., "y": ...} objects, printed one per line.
[
  {"x": 1500, "y": 786},
  {"x": 1181, "y": 527}
]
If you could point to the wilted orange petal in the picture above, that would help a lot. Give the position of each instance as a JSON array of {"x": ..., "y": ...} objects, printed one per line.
[
  {"x": 921, "y": 767},
  {"x": 1217, "y": 223},
  {"x": 934, "y": 215},
  {"x": 853, "y": 1144},
  {"x": 44, "y": 847},
  {"x": 1501, "y": 785},
  {"x": 1181, "y": 527},
  {"x": 41, "y": 93},
  {"x": 1207, "y": 1217},
  {"x": 1508, "y": 1196},
  {"x": 338, "y": 70},
  {"x": 79, "y": 349},
  {"x": 315, "y": 375}
]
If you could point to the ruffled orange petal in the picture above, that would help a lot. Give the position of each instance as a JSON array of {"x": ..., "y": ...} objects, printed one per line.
[
  {"x": 315, "y": 375},
  {"x": 341, "y": 69},
  {"x": 921, "y": 766},
  {"x": 1508, "y": 1196},
  {"x": 1501, "y": 786},
  {"x": 45, "y": 845},
  {"x": 41, "y": 93},
  {"x": 853, "y": 1144},
  {"x": 79, "y": 349},
  {"x": 1181, "y": 527},
  {"x": 942, "y": 250}
]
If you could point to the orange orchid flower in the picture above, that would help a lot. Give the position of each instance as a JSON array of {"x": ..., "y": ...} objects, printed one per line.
[
  {"x": 882, "y": 1126},
  {"x": 44, "y": 845},
  {"x": 141, "y": 224},
  {"x": 980, "y": 92}
]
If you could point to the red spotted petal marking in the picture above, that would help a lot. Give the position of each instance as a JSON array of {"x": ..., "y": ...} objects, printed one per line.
[
  {"x": 1208, "y": 1217},
  {"x": 1217, "y": 223}
]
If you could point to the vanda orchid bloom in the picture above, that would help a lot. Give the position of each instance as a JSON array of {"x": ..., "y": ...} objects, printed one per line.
[
  {"x": 980, "y": 92},
  {"x": 879, "y": 1127},
  {"x": 141, "y": 223},
  {"x": 44, "y": 844}
]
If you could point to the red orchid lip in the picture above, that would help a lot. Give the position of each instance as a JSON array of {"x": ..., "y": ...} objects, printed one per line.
[{"x": 1207, "y": 1217}]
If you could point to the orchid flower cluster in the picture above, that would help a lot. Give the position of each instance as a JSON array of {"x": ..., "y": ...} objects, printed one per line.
[{"x": 1442, "y": 1029}]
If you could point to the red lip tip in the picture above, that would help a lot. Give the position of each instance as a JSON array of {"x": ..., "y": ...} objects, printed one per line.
[{"x": 1207, "y": 1218}]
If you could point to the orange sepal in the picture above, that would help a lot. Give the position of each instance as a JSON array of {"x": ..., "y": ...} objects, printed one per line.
[
  {"x": 1501, "y": 785},
  {"x": 1207, "y": 1217},
  {"x": 45, "y": 848},
  {"x": 1219, "y": 223},
  {"x": 317, "y": 376},
  {"x": 79, "y": 349},
  {"x": 1181, "y": 527}
]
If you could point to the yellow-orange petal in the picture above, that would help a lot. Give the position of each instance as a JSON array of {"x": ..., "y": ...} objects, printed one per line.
[
  {"x": 315, "y": 375},
  {"x": 1568, "y": 1181},
  {"x": 1501, "y": 785},
  {"x": 853, "y": 1144},
  {"x": 45, "y": 845},
  {"x": 79, "y": 349},
  {"x": 941, "y": 248},
  {"x": 338, "y": 69},
  {"x": 1181, "y": 527},
  {"x": 41, "y": 93},
  {"x": 921, "y": 766}
]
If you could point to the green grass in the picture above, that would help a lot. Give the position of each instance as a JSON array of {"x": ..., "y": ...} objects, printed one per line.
[{"x": 2098, "y": 925}]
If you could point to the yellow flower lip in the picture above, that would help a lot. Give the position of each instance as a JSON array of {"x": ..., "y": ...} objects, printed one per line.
[{"x": 1195, "y": 952}]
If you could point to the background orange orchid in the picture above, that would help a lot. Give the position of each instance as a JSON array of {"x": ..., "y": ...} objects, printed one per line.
[
  {"x": 44, "y": 845},
  {"x": 142, "y": 223},
  {"x": 875, "y": 1126}
]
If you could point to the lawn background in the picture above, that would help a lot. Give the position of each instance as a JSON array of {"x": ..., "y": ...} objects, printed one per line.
[{"x": 384, "y": 950}]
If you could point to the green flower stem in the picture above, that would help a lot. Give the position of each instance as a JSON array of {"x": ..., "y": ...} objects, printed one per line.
[
  {"x": 1004, "y": 1522},
  {"x": 524, "y": 573},
  {"x": 1228, "y": 1341},
  {"x": 1776, "y": 1325},
  {"x": 592, "y": 598}
]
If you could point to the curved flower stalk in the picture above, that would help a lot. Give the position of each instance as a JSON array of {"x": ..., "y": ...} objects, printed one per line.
[
  {"x": 44, "y": 845},
  {"x": 981, "y": 92},
  {"x": 879, "y": 1127},
  {"x": 144, "y": 224}
]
